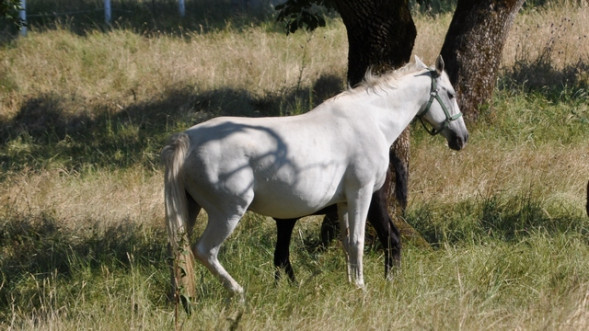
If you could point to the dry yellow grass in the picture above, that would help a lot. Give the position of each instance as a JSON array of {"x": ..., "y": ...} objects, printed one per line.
[
  {"x": 559, "y": 33},
  {"x": 105, "y": 196},
  {"x": 556, "y": 173},
  {"x": 120, "y": 67}
]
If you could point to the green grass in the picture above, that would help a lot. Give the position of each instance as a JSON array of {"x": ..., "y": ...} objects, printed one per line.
[
  {"x": 82, "y": 236},
  {"x": 118, "y": 278}
]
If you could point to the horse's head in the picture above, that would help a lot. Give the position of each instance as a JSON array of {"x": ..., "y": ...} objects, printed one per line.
[{"x": 442, "y": 111}]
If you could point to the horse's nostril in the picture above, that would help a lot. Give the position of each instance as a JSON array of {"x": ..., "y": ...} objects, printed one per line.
[{"x": 457, "y": 143}]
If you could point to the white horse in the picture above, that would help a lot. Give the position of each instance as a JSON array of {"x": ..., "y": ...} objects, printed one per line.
[{"x": 288, "y": 167}]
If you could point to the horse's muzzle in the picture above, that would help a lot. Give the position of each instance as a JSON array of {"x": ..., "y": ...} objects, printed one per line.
[{"x": 457, "y": 142}]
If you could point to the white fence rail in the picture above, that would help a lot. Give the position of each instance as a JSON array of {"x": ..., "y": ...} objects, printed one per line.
[
  {"x": 181, "y": 9},
  {"x": 22, "y": 14},
  {"x": 107, "y": 13}
]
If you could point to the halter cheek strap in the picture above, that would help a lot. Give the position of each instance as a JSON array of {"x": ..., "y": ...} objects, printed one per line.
[{"x": 434, "y": 95}]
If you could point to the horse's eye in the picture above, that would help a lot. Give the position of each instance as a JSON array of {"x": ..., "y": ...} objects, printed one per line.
[{"x": 450, "y": 95}]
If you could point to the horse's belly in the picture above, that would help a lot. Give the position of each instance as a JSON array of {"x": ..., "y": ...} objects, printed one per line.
[
  {"x": 281, "y": 200},
  {"x": 284, "y": 208}
]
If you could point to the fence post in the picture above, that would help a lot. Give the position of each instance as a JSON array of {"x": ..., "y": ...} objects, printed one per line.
[
  {"x": 107, "y": 11},
  {"x": 181, "y": 8},
  {"x": 22, "y": 14}
]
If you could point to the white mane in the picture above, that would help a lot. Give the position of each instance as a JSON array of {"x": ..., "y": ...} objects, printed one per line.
[{"x": 386, "y": 80}]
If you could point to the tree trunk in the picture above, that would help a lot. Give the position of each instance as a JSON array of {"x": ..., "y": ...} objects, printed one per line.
[
  {"x": 381, "y": 35},
  {"x": 473, "y": 47}
]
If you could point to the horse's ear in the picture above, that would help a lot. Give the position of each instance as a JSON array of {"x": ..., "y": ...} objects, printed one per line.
[
  {"x": 439, "y": 65},
  {"x": 419, "y": 63}
]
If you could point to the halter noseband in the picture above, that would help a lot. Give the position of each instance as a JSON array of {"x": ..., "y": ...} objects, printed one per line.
[{"x": 434, "y": 95}]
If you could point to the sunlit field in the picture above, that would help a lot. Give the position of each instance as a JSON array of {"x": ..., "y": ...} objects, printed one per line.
[{"x": 85, "y": 110}]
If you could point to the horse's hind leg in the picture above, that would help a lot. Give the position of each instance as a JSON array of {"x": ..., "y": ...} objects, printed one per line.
[
  {"x": 284, "y": 229},
  {"x": 388, "y": 234},
  {"x": 219, "y": 227},
  {"x": 329, "y": 226}
]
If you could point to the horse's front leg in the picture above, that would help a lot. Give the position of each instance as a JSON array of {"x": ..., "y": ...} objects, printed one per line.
[{"x": 353, "y": 232}]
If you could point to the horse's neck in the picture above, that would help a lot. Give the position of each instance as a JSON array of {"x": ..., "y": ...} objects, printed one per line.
[{"x": 393, "y": 108}]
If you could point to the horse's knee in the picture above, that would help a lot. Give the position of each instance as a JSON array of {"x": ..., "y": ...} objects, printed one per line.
[
  {"x": 205, "y": 255},
  {"x": 356, "y": 244}
]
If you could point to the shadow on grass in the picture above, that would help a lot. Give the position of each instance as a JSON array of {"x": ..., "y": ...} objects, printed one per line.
[
  {"x": 37, "y": 247},
  {"x": 494, "y": 218},
  {"x": 50, "y": 129},
  {"x": 540, "y": 76}
]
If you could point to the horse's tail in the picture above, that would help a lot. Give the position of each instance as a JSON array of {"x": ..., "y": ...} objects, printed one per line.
[
  {"x": 173, "y": 156},
  {"x": 183, "y": 277}
]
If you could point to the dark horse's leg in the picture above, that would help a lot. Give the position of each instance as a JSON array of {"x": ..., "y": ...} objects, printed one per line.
[
  {"x": 387, "y": 232},
  {"x": 284, "y": 229},
  {"x": 329, "y": 226}
]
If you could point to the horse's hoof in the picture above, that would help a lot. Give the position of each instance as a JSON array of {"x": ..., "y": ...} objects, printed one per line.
[
  {"x": 361, "y": 286},
  {"x": 238, "y": 297},
  {"x": 235, "y": 300},
  {"x": 241, "y": 298}
]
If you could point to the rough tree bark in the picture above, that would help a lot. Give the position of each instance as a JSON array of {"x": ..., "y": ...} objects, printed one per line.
[
  {"x": 381, "y": 35},
  {"x": 473, "y": 46}
]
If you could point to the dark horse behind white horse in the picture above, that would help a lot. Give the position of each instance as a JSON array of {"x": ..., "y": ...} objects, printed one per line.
[{"x": 289, "y": 167}]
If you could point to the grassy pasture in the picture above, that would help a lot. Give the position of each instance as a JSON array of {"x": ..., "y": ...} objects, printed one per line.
[{"x": 82, "y": 235}]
